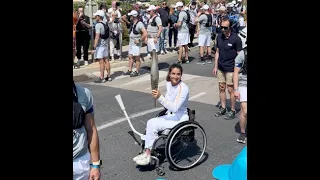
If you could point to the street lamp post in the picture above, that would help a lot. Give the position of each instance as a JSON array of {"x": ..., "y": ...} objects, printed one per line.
[{"x": 91, "y": 6}]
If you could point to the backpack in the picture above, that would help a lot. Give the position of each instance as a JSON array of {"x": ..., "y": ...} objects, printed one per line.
[
  {"x": 244, "y": 64},
  {"x": 106, "y": 31},
  {"x": 78, "y": 112},
  {"x": 153, "y": 23},
  {"x": 133, "y": 29},
  {"x": 209, "y": 20},
  {"x": 188, "y": 17}
]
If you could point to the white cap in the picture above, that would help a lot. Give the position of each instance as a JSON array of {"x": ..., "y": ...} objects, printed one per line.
[
  {"x": 243, "y": 37},
  {"x": 205, "y": 7},
  {"x": 221, "y": 8},
  {"x": 230, "y": 5},
  {"x": 239, "y": 0},
  {"x": 138, "y": 3},
  {"x": 133, "y": 13},
  {"x": 233, "y": 2},
  {"x": 99, "y": 13},
  {"x": 179, "y": 4},
  {"x": 152, "y": 7}
]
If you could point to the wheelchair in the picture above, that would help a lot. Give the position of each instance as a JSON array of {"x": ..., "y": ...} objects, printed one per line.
[{"x": 182, "y": 134}]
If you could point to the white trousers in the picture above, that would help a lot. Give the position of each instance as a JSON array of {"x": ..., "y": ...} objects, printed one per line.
[
  {"x": 161, "y": 123},
  {"x": 81, "y": 167},
  {"x": 113, "y": 50}
]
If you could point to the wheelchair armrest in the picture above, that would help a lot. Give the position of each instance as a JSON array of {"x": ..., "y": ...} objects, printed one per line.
[{"x": 162, "y": 113}]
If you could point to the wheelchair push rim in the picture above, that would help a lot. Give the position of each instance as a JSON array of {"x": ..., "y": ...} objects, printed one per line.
[{"x": 173, "y": 135}]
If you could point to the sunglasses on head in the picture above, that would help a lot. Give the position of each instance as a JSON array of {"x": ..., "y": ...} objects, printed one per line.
[{"x": 224, "y": 27}]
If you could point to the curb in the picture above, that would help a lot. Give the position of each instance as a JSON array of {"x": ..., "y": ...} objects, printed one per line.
[{"x": 124, "y": 63}]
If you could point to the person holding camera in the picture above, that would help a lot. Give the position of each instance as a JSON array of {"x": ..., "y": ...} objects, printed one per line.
[
  {"x": 115, "y": 27},
  {"x": 82, "y": 36}
]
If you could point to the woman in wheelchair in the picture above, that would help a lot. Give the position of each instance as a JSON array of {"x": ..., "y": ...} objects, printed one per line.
[{"x": 176, "y": 103}]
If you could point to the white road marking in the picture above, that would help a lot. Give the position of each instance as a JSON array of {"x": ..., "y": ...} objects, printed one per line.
[{"x": 112, "y": 123}]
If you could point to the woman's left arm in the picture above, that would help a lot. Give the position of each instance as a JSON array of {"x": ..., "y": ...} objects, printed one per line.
[{"x": 179, "y": 100}]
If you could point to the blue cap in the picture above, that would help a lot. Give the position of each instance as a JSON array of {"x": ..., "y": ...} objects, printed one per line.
[{"x": 236, "y": 171}]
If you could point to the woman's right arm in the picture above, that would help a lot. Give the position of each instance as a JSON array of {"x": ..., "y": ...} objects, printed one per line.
[{"x": 179, "y": 100}]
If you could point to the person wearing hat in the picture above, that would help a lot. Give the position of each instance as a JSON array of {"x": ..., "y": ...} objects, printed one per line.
[
  {"x": 205, "y": 19},
  {"x": 154, "y": 29},
  {"x": 137, "y": 35},
  {"x": 222, "y": 13},
  {"x": 183, "y": 33},
  {"x": 240, "y": 84},
  {"x": 100, "y": 47}
]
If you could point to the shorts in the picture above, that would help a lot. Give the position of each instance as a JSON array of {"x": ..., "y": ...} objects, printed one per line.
[
  {"x": 134, "y": 50},
  {"x": 152, "y": 45},
  {"x": 225, "y": 77},
  {"x": 81, "y": 167},
  {"x": 101, "y": 52},
  {"x": 243, "y": 94},
  {"x": 204, "y": 40},
  {"x": 183, "y": 39}
]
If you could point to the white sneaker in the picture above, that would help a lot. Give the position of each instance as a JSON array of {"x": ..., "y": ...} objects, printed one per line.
[
  {"x": 138, "y": 157},
  {"x": 162, "y": 53},
  {"x": 86, "y": 63},
  {"x": 149, "y": 56},
  {"x": 144, "y": 159}
]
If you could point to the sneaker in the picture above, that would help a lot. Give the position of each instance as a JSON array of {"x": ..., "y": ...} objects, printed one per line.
[
  {"x": 209, "y": 61},
  {"x": 242, "y": 138},
  {"x": 202, "y": 62},
  {"x": 127, "y": 73},
  {"x": 144, "y": 159},
  {"x": 222, "y": 111},
  {"x": 230, "y": 115},
  {"x": 100, "y": 80},
  {"x": 178, "y": 62},
  {"x": 162, "y": 52},
  {"x": 138, "y": 157},
  {"x": 108, "y": 78},
  {"x": 86, "y": 63},
  {"x": 134, "y": 74},
  {"x": 149, "y": 56},
  {"x": 187, "y": 61}
]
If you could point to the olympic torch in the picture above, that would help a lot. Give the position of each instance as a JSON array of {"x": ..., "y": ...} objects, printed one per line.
[{"x": 154, "y": 72}]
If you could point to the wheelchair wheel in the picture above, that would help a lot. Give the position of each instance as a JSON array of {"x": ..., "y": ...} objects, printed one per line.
[{"x": 187, "y": 139}]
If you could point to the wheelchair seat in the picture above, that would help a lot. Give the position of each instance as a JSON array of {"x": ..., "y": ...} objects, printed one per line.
[{"x": 191, "y": 114}]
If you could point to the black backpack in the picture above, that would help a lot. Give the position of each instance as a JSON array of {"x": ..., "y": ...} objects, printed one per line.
[
  {"x": 153, "y": 23},
  {"x": 78, "y": 112},
  {"x": 134, "y": 29},
  {"x": 106, "y": 31},
  {"x": 188, "y": 17},
  {"x": 244, "y": 64},
  {"x": 209, "y": 20}
]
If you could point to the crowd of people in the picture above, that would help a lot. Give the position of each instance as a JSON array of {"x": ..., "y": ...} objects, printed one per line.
[
  {"x": 168, "y": 27},
  {"x": 218, "y": 23}
]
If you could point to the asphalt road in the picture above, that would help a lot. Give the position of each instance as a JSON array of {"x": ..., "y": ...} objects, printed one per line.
[{"x": 118, "y": 147}]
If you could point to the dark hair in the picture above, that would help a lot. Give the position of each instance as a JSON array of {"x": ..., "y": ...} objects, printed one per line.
[
  {"x": 103, "y": 6},
  {"x": 226, "y": 18},
  {"x": 172, "y": 67}
]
